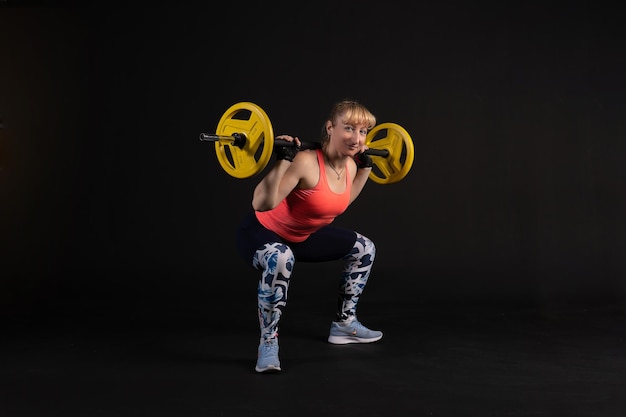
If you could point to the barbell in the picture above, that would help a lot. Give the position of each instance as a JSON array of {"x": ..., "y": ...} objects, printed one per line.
[{"x": 244, "y": 144}]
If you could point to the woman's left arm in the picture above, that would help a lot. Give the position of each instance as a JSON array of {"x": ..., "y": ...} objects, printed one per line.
[{"x": 359, "y": 181}]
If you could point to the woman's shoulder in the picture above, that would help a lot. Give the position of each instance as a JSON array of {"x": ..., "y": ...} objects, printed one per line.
[
  {"x": 306, "y": 167},
  {"x": 308, "y": 155}
]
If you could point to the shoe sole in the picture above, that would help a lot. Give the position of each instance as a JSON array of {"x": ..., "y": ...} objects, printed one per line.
[
  {"x": 344, "y": 340},
  {"x": 268, "y": 369}
]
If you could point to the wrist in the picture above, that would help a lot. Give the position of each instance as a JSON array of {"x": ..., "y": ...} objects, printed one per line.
[{"x": 363, "y": 161}]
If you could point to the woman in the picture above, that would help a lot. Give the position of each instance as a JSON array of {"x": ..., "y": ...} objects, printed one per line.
[{"x": 294, "y": 206}]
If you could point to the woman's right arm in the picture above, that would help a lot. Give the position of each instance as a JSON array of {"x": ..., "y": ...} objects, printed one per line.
[
  {"x": 280, "y": 180},
  {"x": 273, "y": 188}
]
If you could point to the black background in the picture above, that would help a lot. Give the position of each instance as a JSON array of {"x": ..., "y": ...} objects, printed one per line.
[{"x": 112, "y": 208}]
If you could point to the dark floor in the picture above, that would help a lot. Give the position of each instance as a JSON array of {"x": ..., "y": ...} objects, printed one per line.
[{"x": 431, "y": 362}]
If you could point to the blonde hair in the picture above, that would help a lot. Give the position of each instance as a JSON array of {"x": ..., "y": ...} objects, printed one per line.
[{"x": 350, "y": 112}]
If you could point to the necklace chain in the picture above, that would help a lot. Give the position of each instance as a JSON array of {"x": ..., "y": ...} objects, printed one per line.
[{"x": 336, "y": 172}]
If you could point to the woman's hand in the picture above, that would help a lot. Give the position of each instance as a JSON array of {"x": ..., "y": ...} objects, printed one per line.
[
  {"x": 289, "y": 151},
  {"x": 363, "y": 160}
]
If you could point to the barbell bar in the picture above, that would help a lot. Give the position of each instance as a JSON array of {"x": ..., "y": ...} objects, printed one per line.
[
  {"x": 239, "y": 140},
  {"x": 244, "y": 144}
]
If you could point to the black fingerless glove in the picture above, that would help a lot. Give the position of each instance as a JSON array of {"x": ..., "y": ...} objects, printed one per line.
[
  {"x": 286, "y": 152},
  {"x": 363, "y": 160}
]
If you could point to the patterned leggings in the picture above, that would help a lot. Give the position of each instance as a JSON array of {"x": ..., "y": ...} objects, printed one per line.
[{"x": 276, "y": 261}]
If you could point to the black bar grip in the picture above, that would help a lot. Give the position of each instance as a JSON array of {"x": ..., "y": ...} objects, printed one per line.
[
  {"x": 316, "y": 145},
  {"x": 303, "y": 145},
  {"x": 377, "y": 152}
]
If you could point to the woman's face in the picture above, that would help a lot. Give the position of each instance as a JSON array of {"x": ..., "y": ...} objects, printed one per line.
[{"x": 347, "y": 138}]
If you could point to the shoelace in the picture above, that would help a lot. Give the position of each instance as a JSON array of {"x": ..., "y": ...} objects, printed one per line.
[{"x": 269, "y": 346}]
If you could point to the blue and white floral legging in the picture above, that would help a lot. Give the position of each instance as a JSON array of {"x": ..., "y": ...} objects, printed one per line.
[{"x": 276, "y": 262}]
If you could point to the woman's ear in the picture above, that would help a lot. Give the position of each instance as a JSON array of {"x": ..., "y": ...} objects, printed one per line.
[{"x": 329, "y": 126}]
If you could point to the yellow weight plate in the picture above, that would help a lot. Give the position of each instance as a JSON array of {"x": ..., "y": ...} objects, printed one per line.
[
  {"x": 249, "y": 119},
  {"x": 397, "y": 141}
]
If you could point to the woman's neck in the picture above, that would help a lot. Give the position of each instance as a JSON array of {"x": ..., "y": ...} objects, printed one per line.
[
  {"x": 337, "y": 164},
  {"x": 333, "y": 156}
]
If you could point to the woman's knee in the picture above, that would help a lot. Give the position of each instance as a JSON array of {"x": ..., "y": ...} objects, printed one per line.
[
  {"x": 274, "y": 257},
  {"x": 365, "y": 245}
]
